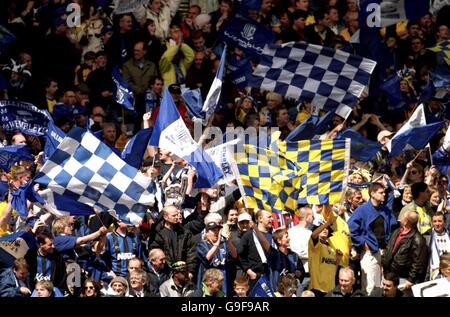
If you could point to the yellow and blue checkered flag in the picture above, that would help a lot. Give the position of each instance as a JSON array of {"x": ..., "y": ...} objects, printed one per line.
[
  {"x": 270, "y": 181},
  {"x": 442, "y": 50},
  {"x": 325, "y": 167}
]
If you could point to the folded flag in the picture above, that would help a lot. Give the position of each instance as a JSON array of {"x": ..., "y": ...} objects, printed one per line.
[
  {"x": 362, "y": 149},
  {"x": 213, "y": 97},
  {"x": 414, "y": 133},
  {"x": 135, "y": 148},
  {"x": 122, "y": 92},
  {"x": 14, "y": 153},
  {"x": 326, "y": 77},
  {"x": 171, "y": 133},
  {"x": 86, "y": 170},
  {"x": 262, "y": 288},
  {"x": 247, "y": 34},
  {"x": 311, "y": 127}
]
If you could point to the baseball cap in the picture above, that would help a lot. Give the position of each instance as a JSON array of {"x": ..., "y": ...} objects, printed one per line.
[
  {"x": 244, "y": 217},
  {"x": 175, "y": 89},
  {"x": 213, "y": 225},
  {"x": 179, "y": 266},
  {"x": 384, "y": 133}
]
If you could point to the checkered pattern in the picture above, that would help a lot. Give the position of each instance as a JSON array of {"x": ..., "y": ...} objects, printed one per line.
[
  {"x": 442, "y": 49},
  {"x": 326, "y": 77},
  {"x": 85, "y": 169},
  {"x": 325, "y": 164},
  {"x": 270, "y": 181}
]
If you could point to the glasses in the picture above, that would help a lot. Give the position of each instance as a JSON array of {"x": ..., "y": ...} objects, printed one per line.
[{"x": 89, "y": 287}]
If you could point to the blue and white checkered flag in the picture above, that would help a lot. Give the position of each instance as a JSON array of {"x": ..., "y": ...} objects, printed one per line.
[
  {"x": 328, "y": 78},
  {"x": 86, "y": 170}
]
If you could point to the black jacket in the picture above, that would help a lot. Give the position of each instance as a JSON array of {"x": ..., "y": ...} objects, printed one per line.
[
  {"x": 336, "y": 292},
  {"x": 184, "y": 249},
  {"x": 154, "y": 282},
  {"x": 378, "y": 292},
  {"x": 409, "y": 260},
  {"x": 249, "y": 257}
]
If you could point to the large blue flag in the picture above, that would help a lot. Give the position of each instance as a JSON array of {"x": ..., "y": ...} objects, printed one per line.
[
  {"x": 61, "y": 205},
  {"x": 23, "y": 116},
  {"x": 135, "y": 148},
  {"x": 247, "y": 34},
  {"x": 240, "y": 71},
  {"x": 362, "y": 149},
  {"x": 212, "y": 99},
  {"x": 194, "y": 102},
  {"x": 414, "y": 133},
  {"x": 53, "y": 138},
  {"x": 170, "y": 133},
  {"x": 311, "y": 127},
  {"x": 86, "y": 170},
  {"x": 262, "y": 288},
  {"x": 122, "y": 92},
  {"x": 15, "y": 246},
  {"x": 12, "y": 154}
]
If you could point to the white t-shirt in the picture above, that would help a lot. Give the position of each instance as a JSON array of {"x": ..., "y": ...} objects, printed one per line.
[{"x": 299, "y": 238}]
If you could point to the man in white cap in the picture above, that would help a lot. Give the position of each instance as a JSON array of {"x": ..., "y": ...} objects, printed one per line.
[{"x": 380, "y": 162}]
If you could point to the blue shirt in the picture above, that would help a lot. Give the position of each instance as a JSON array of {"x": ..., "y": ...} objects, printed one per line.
[{"x": 66, "y": 246}]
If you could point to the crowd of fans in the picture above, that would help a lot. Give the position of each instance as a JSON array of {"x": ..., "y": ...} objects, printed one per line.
[{"x": 379, "y": 241}]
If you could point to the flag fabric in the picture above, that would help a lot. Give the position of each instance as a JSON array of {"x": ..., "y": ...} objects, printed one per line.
[
  {"x": 311, "y": 127},
  {"x": 171, "y": 133},
  {"x": 249, "y": 5},
  {"x": 86, "y": 170},
  {"x": 122, "y": 92},
  {"x": 326, "y": 77},
  {"x": 194, "y": 103},
  {"x": 222, "y": 157},
  {"x": 135, "y": 148},
  {"x": 270, "y": 181},
  {"x": 392, "y": 12},
  {"x": 20, "y": 197},
  {"x": 391, "y": 87},
  {"x": 442, "y": 50},
  {"x": 60, "y": 205},
  {"x": 53, "y": 138},
  {"x": 415, "y": 133},
  {"x": 213, "y": 97},
  {"x": 440, "y": 76},
  {"x": 240, "y": 71},
  {"x": 262, "y": 288},
  {"x": 15, "y": 246},
  {"x": 14, "y": 153},
  {"x": 24, "y": 117},
  {"x": 324, "y": 164},
  {"x": 362, "y": 149},
  {"x": 4, "y": 189},
  {"x": 247, "y": 34}
]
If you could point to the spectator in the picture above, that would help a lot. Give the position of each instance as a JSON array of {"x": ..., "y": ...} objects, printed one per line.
[
  {"x": 389, "y": 287},
  {"x": 346, "y": 285},
  {"x": 158, "y": 271},
  {"x": 406, "y": 253},
  {"x": 179, "y": 284},
  {"x": 14, "y": 282},
  {"x": 212, "y": 282}
]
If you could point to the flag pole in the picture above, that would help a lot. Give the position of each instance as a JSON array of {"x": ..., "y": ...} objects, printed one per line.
[{"x": 431, "y": 155}]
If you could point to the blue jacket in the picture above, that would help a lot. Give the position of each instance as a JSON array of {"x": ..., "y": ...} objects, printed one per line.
[
  {"x": 8, "y": 285},
  {"x": 360, "y": 221}
]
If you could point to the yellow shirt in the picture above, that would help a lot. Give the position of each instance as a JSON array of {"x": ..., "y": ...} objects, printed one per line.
[
  {"x": 322, "y": 266},
  {"x": 4, "y": 228},
  {"x": 51, "y": 104},
  {"x": 424, "y": 223},
  {"x": 340, "y": 238}
]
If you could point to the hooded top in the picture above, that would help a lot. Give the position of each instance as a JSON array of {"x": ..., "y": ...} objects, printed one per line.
[{"x": 111, "y": 293}]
